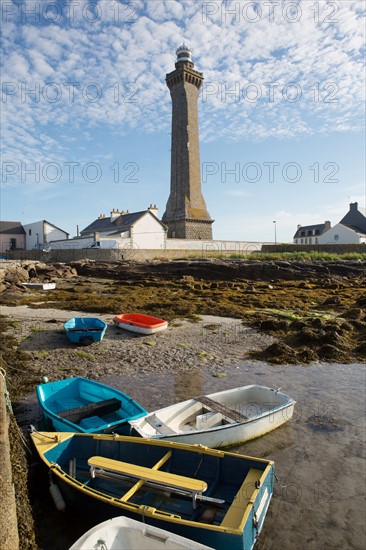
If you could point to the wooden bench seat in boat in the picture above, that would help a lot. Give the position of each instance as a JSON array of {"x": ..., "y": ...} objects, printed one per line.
[
  {"x": 99, "y": 408},
  {"x": 188, "y": 484},
  {"x": 159, "y": 425},
  {"x": 243, "y": 497},
  {"x": 221, "y": 408}
]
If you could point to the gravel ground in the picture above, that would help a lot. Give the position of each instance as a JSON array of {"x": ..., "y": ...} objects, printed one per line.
[{"x": 213, "y": 341}]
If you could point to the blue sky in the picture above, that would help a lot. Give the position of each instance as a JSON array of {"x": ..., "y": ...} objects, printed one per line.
[{"x": 86, "y": 113}]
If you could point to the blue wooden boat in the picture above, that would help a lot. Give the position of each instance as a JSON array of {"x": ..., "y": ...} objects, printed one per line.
[
  {"x": 83, "y": 405},
  {"x": 214, "y": 497},
  {"x": 85, "y": 330}
]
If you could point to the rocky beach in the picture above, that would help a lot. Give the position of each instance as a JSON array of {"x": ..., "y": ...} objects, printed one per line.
[{"x": 231, "y": 322}]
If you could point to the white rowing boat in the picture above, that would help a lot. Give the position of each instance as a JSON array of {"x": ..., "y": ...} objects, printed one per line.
[
  {"x": 122, "y": 533},
  {"x": 219, "y": 419}
]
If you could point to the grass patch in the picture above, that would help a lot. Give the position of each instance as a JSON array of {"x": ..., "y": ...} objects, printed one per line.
[
  {"x": 193, "y": 318},
  {"x": 312, "y": 255}
]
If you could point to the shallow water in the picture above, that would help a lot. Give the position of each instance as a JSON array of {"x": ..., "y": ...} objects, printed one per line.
[{"x": 319, "y": 455}]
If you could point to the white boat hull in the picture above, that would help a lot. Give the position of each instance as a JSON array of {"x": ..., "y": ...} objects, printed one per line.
[
  {"x": 122, "y": 533},
  {"x": 139, "y": 330},
  {"x": 260, "y": 410},
  {"x": 40, "y": 286}
]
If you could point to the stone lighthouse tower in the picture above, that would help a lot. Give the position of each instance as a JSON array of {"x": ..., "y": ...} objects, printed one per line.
[{"x": 186, "y": 215}]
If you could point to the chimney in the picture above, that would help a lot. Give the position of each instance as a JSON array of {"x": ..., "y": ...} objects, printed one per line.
[
  {"x": 153, "y": 210},
  {"x": 115, "y": 214},
  {"x": 353, "y": 207},
  {"x": 101, "y": 216},
  {"x": 327, "y": 225},
  {"x": 298, "y": 226}
]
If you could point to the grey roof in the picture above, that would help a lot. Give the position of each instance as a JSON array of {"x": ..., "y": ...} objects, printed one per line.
[
  {"x": 355, "y": 219},
  {"x": 15, "y": 228},
  {"x": 310, "y": 230},
  {"x": 118, "y": 225}
]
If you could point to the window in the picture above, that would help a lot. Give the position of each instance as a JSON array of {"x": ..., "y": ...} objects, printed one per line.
[
  {"x": 12, "y": 244},
  {"x": 29, "y": 232},
  {"x": 336, "y": 237}
]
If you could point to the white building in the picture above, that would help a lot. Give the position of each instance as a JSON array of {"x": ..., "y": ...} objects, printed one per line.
[
  {"x": 341, "y": 234},
  {"x": 121, "y": 230},
  {"x": 42, "y": 232},
  {"x": 350, "y": 230},
  {"x": 310, "y": 234}
]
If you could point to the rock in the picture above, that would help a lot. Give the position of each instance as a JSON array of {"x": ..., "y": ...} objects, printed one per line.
[
  {"x": 361, "y": 349},
  {"x": 273, "y": 325},
  {"x": 16, "y": 275},
  {"x": 332, "y": 300},
  {"x": 330, "y": 352},
  {"x": 361, "y": 302},
  {"x": 280, "y": 353}
]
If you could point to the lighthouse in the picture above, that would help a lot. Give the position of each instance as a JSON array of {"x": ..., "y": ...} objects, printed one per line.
[{"x": 186, "y": 215}]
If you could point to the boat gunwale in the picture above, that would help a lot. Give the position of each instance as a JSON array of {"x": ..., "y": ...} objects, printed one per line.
[{"x": 56, "y": 469}]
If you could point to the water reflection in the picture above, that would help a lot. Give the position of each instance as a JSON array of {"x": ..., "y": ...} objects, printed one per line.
[{"x": 319, "y": 499}]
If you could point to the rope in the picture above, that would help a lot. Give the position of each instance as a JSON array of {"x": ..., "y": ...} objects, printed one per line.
[
  {"x": 33, "y": 430},
  {"x": 10, "y": 367},
  {"x": 23, "y": 439},
  {"x": 279, "y": 482}
]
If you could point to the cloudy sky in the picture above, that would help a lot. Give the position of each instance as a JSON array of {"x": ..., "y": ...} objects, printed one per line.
[{"x": 86, "y": 112}]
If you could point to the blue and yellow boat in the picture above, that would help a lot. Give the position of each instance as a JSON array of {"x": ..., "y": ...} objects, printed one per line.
[{"x": 214, "y": 497}]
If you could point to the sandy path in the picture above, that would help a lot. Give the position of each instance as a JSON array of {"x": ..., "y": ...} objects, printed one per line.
[{"x": 211, "y": 341}]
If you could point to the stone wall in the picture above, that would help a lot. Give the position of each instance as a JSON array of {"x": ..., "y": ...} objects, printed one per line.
[
  {"x": 66, "y": 256},
  {"x": 190, "y": 229},
  {"x": 8, "y": 515},
  {"x": 183, "y": 248}
]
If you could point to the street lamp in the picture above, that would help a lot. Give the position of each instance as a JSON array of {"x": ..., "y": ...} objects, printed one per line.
[{"x": 275, "y": 227}]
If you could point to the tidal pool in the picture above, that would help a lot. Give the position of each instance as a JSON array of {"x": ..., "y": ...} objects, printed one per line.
[{"x": 319, "y": 455}]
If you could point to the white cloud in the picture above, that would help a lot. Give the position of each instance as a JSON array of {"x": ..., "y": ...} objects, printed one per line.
[{"x": 125, "y": 56}]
